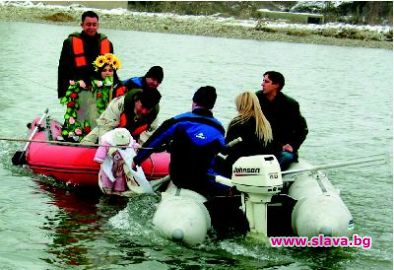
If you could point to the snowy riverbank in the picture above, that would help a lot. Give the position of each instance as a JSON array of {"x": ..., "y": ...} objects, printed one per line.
[{"x": 329, "y": 34}]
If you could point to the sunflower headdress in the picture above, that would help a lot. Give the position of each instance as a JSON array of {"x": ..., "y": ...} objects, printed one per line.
[{"x": 107, "y": 59}]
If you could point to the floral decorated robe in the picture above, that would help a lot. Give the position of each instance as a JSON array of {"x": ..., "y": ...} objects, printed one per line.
[{"x": 84, "y": 107}]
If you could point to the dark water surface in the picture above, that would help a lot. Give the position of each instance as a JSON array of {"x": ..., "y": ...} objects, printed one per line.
[{"x": 345, "y": 95}]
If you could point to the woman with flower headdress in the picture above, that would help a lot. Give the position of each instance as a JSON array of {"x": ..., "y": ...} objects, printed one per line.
[{"x": 84, "y": 106}]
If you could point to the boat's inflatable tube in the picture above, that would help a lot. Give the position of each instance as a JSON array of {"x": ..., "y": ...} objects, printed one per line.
[
  {"x": 74, "y": 164},
  {"x": 181, "y": 216},
  {"x": 319, "y": 209}
]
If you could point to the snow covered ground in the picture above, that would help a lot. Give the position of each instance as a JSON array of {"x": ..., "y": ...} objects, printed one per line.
[{"x": 227, "y": 21}]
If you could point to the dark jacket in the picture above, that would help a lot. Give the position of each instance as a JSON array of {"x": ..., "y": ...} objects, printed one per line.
[
  {"x": 249, "y": 146},
  {"x": 196, "y": 138},
  {"x": 287, "y": 123},
  {"x": 67, "y": 69}
]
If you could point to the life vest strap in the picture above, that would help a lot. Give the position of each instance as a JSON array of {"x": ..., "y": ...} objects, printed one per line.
[
  {"x": 105, "y": 46},
  {"x": 77, "y": 45},
  {"x": 137, "y": 131},
  {"x": 120, "y": 91},
  {"x": 123, "y": 120},
  {"x": 79, "y": 51},
  {"x": 80, "y": 61}
]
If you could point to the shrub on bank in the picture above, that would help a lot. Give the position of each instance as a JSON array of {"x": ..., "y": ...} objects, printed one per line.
[
  {"x": 59, "y": 17},
  {"x": 342, "y": 32}
]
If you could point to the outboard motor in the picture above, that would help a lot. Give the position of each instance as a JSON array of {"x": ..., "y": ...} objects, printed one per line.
[{"x": 258, "y": 178}]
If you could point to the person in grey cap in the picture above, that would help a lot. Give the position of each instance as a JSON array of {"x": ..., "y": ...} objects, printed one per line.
[{"x": 196, "y": 138}]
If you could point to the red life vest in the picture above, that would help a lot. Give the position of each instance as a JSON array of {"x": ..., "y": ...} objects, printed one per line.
[
  {"x": 120, "y": 91},
  {"x": 123, "y": 120},
  {"x": 136, "y": 131},
  {"x": 79, "y": 51}
]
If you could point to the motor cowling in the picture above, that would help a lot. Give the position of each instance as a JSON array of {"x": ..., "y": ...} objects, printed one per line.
[{"x": 259, "y": 174}]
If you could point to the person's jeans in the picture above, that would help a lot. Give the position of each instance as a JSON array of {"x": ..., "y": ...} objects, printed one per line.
[{"x": 285, "y": 159}]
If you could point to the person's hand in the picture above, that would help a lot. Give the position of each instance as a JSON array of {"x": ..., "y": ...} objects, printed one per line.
[
  {"x": 233, "y": 191},
  {"x": 136, "y": 146},
  {"x": 82, "y": 84},
  {"x": 287, "y": 147},
  {"x": 99, "y": 83},
  {"x": 133, "y": 166}
]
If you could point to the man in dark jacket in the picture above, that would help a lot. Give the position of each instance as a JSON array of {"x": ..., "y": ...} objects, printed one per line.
[
  {"x": 79, "y": 51},
  {"x": 289, "y": 127}
]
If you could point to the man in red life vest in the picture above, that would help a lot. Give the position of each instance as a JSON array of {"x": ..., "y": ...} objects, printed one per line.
[
  {"x": 79, "y": 51},
  {"x": 133, "y": 111},
  {"x": 150, "y": 81}
]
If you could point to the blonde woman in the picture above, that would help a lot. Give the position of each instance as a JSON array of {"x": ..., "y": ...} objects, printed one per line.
[{"x": 252, "y": 126}]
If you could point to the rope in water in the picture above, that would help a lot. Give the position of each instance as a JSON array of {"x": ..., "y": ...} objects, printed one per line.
[{"x": 64, "y": 143}]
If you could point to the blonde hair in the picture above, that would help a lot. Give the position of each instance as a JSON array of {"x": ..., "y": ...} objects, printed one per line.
[{"x": 248, "y": 106}]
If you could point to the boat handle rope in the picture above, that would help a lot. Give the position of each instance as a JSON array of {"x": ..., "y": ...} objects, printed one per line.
[{"x": 63, "y": 143}]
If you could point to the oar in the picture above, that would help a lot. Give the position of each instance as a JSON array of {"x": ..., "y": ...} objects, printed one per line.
[
  {"x": 65, "y": 143},
  {"x": 338, "y": 165},
  {"x": 19, "y": 157},
  {"x": 369, "y": 161}
]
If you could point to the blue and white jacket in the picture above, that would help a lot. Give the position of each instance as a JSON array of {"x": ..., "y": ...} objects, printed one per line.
[
  {"x": 193, "y": 139},
  {"x": 134, "y": 82}
]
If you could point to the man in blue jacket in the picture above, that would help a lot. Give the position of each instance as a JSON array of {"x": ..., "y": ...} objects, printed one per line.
[
  {"x": 151, "y": 80},
  {"x": 194, "y": 139}
]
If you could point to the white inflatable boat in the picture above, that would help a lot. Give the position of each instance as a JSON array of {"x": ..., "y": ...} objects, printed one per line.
[{"x": 301, "y": 199}]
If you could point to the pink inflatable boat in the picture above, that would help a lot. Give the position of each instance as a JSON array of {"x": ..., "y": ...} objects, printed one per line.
[{"x": 74, "y": 164}]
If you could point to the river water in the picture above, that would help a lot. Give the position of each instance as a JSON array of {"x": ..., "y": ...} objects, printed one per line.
[{"x": 344, "y": 93}]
